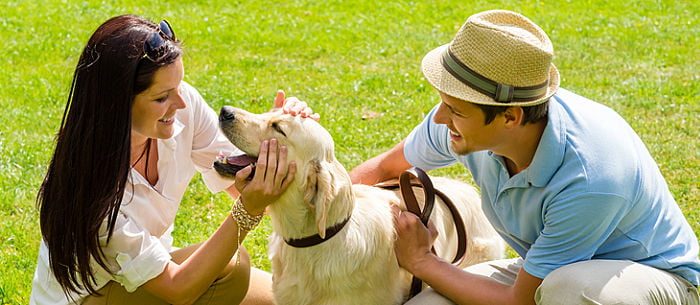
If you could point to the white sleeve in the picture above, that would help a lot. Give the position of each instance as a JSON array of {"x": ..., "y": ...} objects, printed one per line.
[
  {"x": 207, "y": 141},
  {"x": 135, "y": 255}
]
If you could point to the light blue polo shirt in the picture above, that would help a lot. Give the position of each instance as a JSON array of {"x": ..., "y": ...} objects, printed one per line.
[{"x": 592, "y": 191}]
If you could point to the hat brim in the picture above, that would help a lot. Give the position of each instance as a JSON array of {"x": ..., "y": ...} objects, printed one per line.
[{"x": 443, "y": 81}]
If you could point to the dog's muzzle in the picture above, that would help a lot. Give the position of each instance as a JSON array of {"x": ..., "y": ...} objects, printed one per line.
[{"x": 227, "y": 114}]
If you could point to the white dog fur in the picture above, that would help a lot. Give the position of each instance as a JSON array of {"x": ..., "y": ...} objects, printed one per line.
[{"x": 358, "y": 265}]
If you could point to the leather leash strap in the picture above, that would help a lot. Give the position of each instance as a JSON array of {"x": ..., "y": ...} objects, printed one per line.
[{"x": 416, "y": 177}]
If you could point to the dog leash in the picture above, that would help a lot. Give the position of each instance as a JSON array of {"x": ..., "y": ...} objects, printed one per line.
[{"x": 416, "y": 177}]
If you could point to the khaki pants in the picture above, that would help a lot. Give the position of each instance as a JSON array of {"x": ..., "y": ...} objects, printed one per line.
[
  {"x": 242, "y": 285},
  {"x": 589, "y": 282}
]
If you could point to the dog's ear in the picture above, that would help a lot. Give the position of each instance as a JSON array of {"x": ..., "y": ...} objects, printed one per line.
[{"x": 319, "y": 191}]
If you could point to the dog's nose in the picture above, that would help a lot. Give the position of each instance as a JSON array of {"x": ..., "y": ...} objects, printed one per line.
[{"x": 226, "y": 114}]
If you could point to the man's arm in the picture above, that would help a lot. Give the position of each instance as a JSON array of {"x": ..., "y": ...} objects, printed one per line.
[
  {"x": 463, "y": 287},
  {"x": 413, "y": 253},
  {"x": 390, "y": 164}
]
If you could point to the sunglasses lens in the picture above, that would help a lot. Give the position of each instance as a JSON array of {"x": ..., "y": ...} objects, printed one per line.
[
  {"x": 152, "y": 44},
  {"x": 167, "y": 30}
]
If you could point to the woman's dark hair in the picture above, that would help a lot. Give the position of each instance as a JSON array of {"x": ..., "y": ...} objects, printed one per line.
[
  {"x": 531, "y": 114},
  {"x": 86, "y": 178}
]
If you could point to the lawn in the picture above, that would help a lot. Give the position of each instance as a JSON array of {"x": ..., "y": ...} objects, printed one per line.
[{"x": 347, "y": 59}]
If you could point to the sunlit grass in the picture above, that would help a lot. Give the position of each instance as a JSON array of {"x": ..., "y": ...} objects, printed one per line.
[{"x": 346, "y": 58}]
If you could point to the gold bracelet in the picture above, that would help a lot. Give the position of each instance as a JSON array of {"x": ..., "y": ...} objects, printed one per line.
[{"x": 243, "y": 218}]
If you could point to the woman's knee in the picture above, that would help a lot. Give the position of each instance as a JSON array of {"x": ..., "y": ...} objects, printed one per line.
[
  {"x": 238, "y": 266},
  {"x": 232, "y": 285},
  {"x": 238, "y": 279}
]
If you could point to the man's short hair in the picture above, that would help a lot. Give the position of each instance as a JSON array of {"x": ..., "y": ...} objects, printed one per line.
[{"x": 531, "y": 114}]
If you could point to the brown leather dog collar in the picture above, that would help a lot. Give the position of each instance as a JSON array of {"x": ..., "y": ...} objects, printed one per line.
[{"x": 316, "y": 239}]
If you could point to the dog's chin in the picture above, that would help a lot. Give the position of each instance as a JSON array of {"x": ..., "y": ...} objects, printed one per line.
[{"x": 230, "y": 166}]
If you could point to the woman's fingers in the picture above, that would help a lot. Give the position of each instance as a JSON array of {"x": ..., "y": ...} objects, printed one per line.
[
  {"x": 290, "y": 175},
  {"x": 240, "y": 181},
  {"x": 272, "y": 175},
  {"x": 261, "y": 165},
  {"x": 281, "y": 167},
  {"x": 272, "y": 164}
]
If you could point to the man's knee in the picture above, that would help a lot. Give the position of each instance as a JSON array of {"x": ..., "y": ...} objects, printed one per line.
[
  {"x": 429, "y": 296},
  {"x": 562, "y": 286},
  {"x": 610, "y": 282}
]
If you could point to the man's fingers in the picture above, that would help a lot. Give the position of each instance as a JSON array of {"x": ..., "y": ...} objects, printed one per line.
[
  {"x": 433, "y": 231},
  {"x": 290, "y": 105},
  {"x": 306, "y": 112},
  {"x": 279, "y": 99},
  {"x": 396, "y": 212},
  {"x": 299, "y": 107}
]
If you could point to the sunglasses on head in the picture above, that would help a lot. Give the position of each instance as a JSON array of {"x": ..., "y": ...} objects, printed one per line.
[{"x": 154, "y": 46}]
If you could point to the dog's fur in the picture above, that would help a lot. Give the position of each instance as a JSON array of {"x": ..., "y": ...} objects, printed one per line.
[{"x": 358, "y": 265}]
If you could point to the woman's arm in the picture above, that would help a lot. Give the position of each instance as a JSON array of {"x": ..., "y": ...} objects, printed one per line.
[{"x": 184, "y": 283}]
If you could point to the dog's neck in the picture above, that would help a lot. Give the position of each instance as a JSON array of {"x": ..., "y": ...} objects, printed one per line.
[{"x": 292, "y": 218}]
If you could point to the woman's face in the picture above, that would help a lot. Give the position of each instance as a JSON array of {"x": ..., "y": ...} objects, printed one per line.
[{"x": 153, "y": 112}]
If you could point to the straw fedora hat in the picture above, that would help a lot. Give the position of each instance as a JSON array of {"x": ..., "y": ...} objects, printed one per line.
[{"x": 497, "y": 58}]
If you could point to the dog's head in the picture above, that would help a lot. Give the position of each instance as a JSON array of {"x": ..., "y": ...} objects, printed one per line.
[{"x": 320, "y": 179}]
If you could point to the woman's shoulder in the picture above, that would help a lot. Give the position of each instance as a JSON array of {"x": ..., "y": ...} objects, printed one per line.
[
  {"x": 190, "y": 94},
  {"x": 194, "y": 102}
]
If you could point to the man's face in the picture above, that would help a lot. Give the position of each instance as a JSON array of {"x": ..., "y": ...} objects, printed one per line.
[{"x": 466, "y": 123}]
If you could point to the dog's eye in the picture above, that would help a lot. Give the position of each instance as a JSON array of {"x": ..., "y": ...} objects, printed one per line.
[{"x": 277, "y": 128}]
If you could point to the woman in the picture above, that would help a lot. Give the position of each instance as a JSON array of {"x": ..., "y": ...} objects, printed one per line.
[{"x": 132, "y": 136}]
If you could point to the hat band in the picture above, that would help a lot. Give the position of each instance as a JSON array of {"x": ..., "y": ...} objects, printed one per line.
[{"x": 500, "y": 92}]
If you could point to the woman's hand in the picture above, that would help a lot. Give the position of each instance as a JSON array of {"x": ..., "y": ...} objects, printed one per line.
[
  {"x": 294, "y": 106},
  {"x": 272, "y": 176}
]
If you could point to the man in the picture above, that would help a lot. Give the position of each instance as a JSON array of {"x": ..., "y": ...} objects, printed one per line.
[{"x": 564, "y": 180}]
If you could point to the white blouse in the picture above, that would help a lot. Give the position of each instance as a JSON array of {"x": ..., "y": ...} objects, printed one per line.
[{"x": 140, "y": 246}]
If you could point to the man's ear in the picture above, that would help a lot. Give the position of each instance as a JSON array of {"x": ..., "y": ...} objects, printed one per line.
[
  {"x": 513, "y": 116},
  {"x": 319, "y": 191}
]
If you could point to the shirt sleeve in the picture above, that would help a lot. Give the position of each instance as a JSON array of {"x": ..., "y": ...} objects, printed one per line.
[
  {"x": 208, "y": 141},
  {"x": 134, "y": 255},
  {"x": 428, "y": 145},
  {"x": 574, "y": 229}
]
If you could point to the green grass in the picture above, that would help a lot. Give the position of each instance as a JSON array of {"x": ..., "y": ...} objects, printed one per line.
[{"x": 345, "y": 58}]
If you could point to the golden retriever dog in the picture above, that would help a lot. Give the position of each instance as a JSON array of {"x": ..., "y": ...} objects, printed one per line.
[{"x": 355, "y": 262}]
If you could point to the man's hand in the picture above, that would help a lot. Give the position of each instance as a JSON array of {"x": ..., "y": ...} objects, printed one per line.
[
  {"x": 413, "y": 240},
  {"x": 294, "y": 106}
]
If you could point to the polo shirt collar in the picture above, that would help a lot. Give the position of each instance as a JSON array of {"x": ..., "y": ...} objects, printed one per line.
[{"x": 550, "y": 151}]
